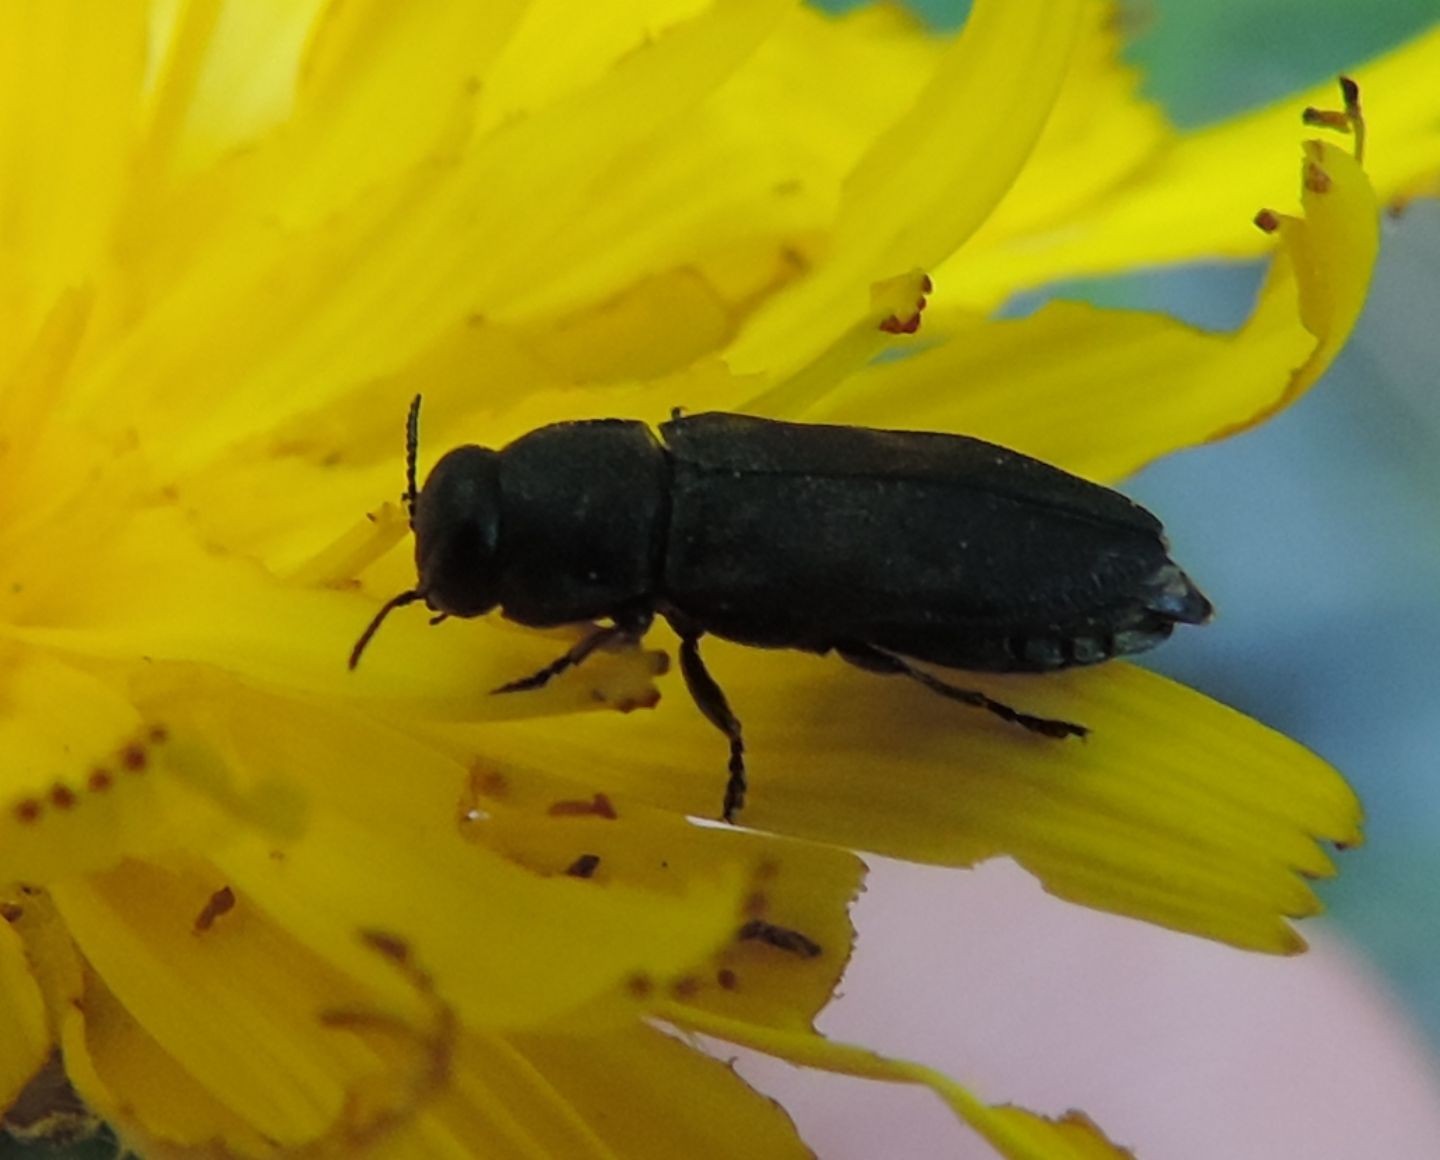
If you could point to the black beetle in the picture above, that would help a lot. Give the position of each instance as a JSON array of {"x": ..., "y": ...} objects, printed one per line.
[{"x": 886, "y": 547}]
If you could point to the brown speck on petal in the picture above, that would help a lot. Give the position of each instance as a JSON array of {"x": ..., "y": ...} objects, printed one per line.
[
  {"x": 62, "y": 797},
  {"x": 99, "y": 780},
  {"x": 727, "y": 979},
  {"x": 391, "y": 946},
  {"x": 630, "y": 704},
  {"x": 28, "y": 810},
  {"x": 1268, "y": 220},
  {"x": 600, "y": 806},
  {"x": 640, "y": 986},
  {"x": 1326, "y": 118},
  {"x": 134, "y": 758},
  {"x": 487, "y": 782},
  {"x": 584, "y": 866},
  {"x": 1316, "y": 179},
  {"x": 220, "y": 903},
  {"x": 780, "y": 937},
  {"x": 897, "y": 325}
]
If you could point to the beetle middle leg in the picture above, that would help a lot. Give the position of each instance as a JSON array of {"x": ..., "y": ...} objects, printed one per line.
[
  {"x": 877, "y": 660},
  {"x": 710, "y": 699},
  {"x": 631, "y": 628}
]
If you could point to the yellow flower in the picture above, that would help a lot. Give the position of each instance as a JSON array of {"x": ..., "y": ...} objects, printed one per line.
[{"x": 264, "y": 906}]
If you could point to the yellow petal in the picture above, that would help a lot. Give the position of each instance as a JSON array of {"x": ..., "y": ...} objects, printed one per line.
[
  {"x": 791, "y": 936},
  {"x": 1331, "y": 252},
  {"x": 71, "y": 795},
  {"x": 226, "y": 76},
  {"x": 1015, "y": 1133},
  {"x": 146, "y": 1093},
  {"x": 239, "y": 1005},
  {"x": 632, "y": 1093},
  {"x": 557, "y": 48},
  {"x": 168, "y": 599},
  {"x": 896, "y": 307},
  {"x": 1100, "y": 133},
  {"x": 1196, "y": 198},
  {"x": 1102, "y": 393},
  {"x": 368, "y": 852},
  {"x": 23, "y": 1027},
  {"x": 70, "y": 85},
  {"x": 1175, "y": 809},
  {"x": 404, "y": 261},
  {"x": 929, "y": 181}
]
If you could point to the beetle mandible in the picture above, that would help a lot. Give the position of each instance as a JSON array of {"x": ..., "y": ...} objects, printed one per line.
[{"x": 886, "y": 547}]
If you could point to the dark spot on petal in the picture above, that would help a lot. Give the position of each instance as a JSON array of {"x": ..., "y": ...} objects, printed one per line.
[
  {"x": 219, "y": 903},
  {"x": 584, "y": 866},
  {"x": 630, "y": 704},
  {"x": 391, "y": 946},
  {"x": 1326, "y": 118},
  {"x": 62, "y": 797},
  {"x": 134, "y": 758},
  {"x": 685, "y": 988},
  {"x": 727, "y": 979},
  {"x": 756, "y": 904},
  {"x": 99, "y": 780},
  {"x": 640, "y": 986},
  {"x": 600, "y": 806},
  {"x": 158, "y": 734},
  {"x": 896, "y": 325},
  {"x": 1268, "y": 220},
  {"x": 28, "y": 810},
  {"x": 489, "y": 783},
  {"x": 1316, "y": 179},
  {"x": 11, "y": 912},
  {"x": 780, "y": 937}
]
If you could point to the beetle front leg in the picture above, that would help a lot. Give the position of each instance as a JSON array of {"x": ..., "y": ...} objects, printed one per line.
[
  {"x": 632, "y": 629},
  {"x": 875, "y": 660},
  {"x": 710, "y": 699}
]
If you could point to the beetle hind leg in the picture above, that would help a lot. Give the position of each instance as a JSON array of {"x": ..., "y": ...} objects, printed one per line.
[
  {"x": 710, "y": 699},
  {"x": 875, "y": 660}
]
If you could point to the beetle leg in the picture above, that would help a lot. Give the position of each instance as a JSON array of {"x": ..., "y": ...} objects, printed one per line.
[
  {"x": 711, "y": 701},
  {"x": 876, "y": 660},
  {"x": 582, "y": 648}
]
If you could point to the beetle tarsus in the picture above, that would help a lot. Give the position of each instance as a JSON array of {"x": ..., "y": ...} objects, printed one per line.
[
  {"x": 875, "y": 660},
  {"x": 710, "y": 699}
]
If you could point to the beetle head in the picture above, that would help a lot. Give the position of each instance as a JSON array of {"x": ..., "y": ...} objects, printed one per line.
[{"x": 456, "y": 521}]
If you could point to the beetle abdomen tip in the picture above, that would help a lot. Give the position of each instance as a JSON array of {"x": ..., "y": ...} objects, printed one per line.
[{"x": 1175, "y": 597}]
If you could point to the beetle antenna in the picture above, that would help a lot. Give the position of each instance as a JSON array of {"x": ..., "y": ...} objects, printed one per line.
[
  {"x": 385, "y": 610},
  {"x": 412, "y": 451}
]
